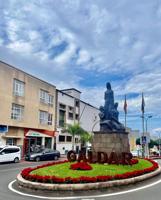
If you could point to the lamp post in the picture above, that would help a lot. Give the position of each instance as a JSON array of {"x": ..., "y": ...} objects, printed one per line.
[
  {"x": 95, "y": 125},
  {"x": 144, "y": 135},
  {"x": 146, "y": 129},
  {"x": 142, "y": 142}
]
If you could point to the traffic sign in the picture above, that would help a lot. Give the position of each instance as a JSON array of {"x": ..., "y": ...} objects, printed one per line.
[{"x": 144, "y": 139}]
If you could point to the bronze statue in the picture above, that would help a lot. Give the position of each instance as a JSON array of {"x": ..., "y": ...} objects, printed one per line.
[{"x": 109, "y": 113}]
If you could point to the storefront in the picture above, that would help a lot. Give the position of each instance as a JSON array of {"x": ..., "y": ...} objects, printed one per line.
[
  {"x": 14, "y": 136},
  {"x": 34, "y": 140}
]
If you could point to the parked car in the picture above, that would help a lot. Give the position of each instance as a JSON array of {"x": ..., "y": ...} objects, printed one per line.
[
  {"x": 44, "y": 154},
  {"x": 136, "y": 153},
  {"x": 10, "y": 154}
]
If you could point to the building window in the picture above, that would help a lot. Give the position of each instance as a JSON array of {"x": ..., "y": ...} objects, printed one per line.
[
  {"x": 51, "y": 100},
  {"x": 50, "y": 117},
  {"x": 69, "y": 138},
  {"x": 17, "y": 112},
  {"x": 77, "y": 103},
  {"x": 61, "y": 118},
  {"x": 62, "y": 106},
  {"x": 11, "y": 141},
  {"x": 18, "y": 88},
  {"x": 70, "y": 115},
  {"x": 61, "y": 138},
  {"x": 76, "y": 116},
  {"x": 71, "y": 109},
  {"x": 46, "y": 98},
  {"x": 45, "y": 118}
]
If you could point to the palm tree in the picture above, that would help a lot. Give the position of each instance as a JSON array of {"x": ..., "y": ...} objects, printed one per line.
[
  {"x": 85, "y": 137},
  {"x": 76, "y": 129}
]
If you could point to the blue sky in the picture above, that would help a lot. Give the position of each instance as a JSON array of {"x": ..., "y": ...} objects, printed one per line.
[{"x": 86, "y": 43}]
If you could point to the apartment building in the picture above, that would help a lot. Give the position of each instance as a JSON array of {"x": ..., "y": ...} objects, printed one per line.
[
  {"x": 133, "y": 135},
  {"x": 27, "y": 109},
  {"x": 70, "y": 110}
]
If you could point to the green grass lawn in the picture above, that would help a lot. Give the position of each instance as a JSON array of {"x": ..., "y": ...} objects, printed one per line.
[{"x": 62, "y": 170}]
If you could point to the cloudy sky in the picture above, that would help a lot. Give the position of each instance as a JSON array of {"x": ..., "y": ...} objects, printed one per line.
[{"x": 86, "y": 43}]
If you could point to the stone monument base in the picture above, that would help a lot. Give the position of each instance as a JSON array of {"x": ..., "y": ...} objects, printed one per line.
[{"x": 110, "y": 142}]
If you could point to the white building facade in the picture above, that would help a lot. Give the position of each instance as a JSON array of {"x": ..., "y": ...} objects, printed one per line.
[{"x": 70, "y": 110}]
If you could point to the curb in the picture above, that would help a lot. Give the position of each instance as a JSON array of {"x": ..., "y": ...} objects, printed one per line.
[{"x": 84, "y": 186}]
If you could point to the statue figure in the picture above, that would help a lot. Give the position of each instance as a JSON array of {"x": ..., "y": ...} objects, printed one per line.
[
  {"x": 109, "y": 113},
  {"x": 102, "y": 113},
  {"x": 109, "y": 98},
  {"x": 115, "y": 112}
]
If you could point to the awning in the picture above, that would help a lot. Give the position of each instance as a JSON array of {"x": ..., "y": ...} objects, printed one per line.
[
  {"x": 33, "y": 133},
  {"x": 13, "y": 136}
]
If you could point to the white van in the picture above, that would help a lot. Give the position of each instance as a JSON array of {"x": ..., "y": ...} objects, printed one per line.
[{"x": 10, "y": 154}]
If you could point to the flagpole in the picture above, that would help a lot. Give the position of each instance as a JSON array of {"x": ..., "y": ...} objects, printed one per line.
[
  {"x": 125, "y": 121},
  {"x": 125, "y": 110},
  {"x": 143, "y": 145}
]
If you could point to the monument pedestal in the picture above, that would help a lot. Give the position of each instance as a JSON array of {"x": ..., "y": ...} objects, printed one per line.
[{"x": 110, "y": 142}]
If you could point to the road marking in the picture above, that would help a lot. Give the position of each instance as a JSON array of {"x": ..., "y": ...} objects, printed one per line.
[
  {"x": 87, "y": 199},
  {"x": 82, "y": 197}
]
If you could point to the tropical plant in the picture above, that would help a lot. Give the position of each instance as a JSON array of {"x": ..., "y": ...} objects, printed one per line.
[
  {"x": 85, "y": 137},
  {"x": 75, "y": 129}
]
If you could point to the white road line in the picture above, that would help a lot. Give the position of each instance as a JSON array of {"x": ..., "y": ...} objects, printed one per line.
[
  {"x": 87, "y": 199},
  {"x": 83, "y": 197}
]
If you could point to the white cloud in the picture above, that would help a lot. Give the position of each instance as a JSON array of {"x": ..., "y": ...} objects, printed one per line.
[
  {"x": 21, "y": 47},
  {"x": 117, "y": 39},
  {"x": 63, "y": 58},
  {"x": 83, "y": 57},
  {"x": 33, "y": 35},
  {"x": 1, "y": 41}
]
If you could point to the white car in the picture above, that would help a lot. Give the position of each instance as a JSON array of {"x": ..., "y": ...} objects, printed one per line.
[
  {"x": 10, "y": 154},
  {"x": 136, "y": 153}
]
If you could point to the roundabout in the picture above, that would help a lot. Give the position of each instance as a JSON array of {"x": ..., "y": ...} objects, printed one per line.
[
  {"x": 90, "y": 194},
  {"x": 100, "y": 176}
]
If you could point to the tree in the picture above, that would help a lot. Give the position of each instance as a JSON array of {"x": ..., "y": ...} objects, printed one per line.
[
  {"x": 158, "y": 142},
  {"x": 151, "y": 144},
  {"x": 75, "y": 129},
  {"x": 85, "y": 137},
  {"x": 138, "y": 141}
]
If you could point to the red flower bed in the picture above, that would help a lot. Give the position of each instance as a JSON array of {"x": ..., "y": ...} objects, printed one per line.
[
  {"x": 80, "y": 166},
  {"x": 134, "y": 161},
  {"x": 83, "y": 179}
]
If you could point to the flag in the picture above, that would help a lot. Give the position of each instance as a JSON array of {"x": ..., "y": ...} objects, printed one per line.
[
  {"x": 142, "y": 104},
  {"x": 125, "y": 106}
]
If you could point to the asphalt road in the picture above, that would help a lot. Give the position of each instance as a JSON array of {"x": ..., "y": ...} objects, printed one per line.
[{"x": 147, "y": 190}]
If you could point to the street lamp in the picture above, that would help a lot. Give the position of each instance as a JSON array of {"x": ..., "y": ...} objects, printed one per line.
[
  {"x": 95, "y": 125},
  {"x": 144, "y": 136},
  {"x": 146, "y": 129}
]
